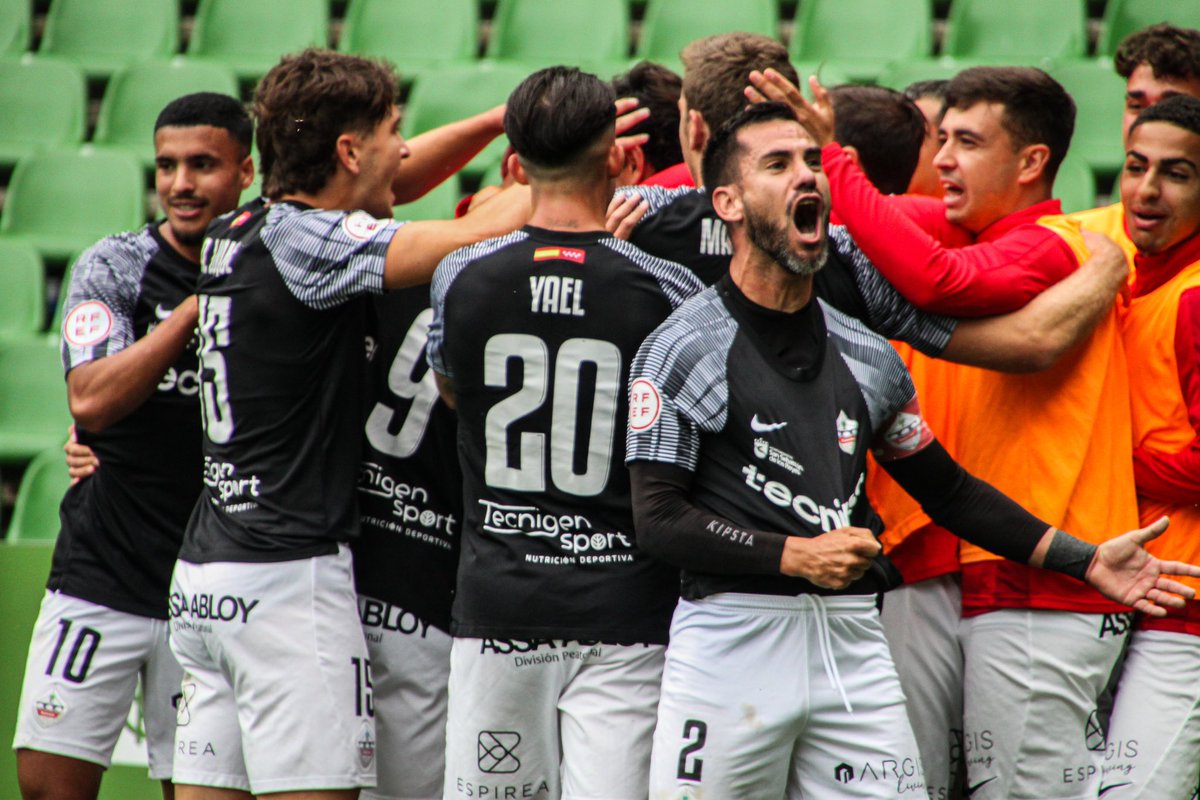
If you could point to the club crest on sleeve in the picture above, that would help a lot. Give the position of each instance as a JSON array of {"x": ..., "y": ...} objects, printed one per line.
[
  {"x": 847, "y": 433},
  {"x": 905, "y": 432},
  {"x": 88, "y": 323},
  {"x": 360, "y": 225},
  {"x": 645, "y": 405}
]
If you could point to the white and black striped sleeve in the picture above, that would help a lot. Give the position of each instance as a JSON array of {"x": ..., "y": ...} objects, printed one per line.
[
  {"x": 677, "y": 282},
  {"x": 679, "y": 385},
  {"x": 657, "y": 197},
  {"x": 888, "y": 312},
  {"x": 443, "y": 277},
  {"x": 102, "y": 297},
  {"x": 328, "y": 257},
  {"x": 879, "y": 370}
]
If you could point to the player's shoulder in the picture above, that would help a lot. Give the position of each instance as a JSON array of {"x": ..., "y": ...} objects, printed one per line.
[
  {"x": 853, "y": 335},
  {"x": 701, "y": 327},
  {"x": 677, "y": 281},
  {"x": 123, "y": 250},
  {"x": 660, "y": 199},
  {"x": 456, "y": 262}
]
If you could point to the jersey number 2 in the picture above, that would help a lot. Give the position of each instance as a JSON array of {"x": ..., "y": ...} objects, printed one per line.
[{"x": 560, "y": 381}]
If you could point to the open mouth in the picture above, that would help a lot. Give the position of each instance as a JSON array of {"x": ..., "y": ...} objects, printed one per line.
[
  {"x": 1143, "y": 218},
  {"x": 806, "y": 216}
]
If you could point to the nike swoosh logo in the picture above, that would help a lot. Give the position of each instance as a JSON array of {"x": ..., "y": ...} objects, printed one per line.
[
  {"x": 1104, "y": 789},
  {"x": 162, "y": 313},
  {"x": 972, "y": 789},
  {"x": 764, "y": 427}
]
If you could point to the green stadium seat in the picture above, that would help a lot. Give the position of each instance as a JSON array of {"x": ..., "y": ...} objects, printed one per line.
[
  {"x": 671, "y": 24},
  {"x": 457, "y": 91},
  {"x": 438, "y": 203},
  {"x": 862, "y": 35},
  {"x": 15, "y": 18},
  {"x": 33, "y": 399},
  {"x": 593, "y": 34},
  {"x": 102, "y": 36},
  {"x": 1075, "y": 185},
  {"x": 23, "y": 301},
  {"x": 54, "y": 329},
  {"x": 829, "y": 73},
  {"x": 1099, "y": 95},
  {"x": 63, "y": 201},
  {"x": 412, "y": 34},
  {"x": 1016, "y": 31},
  {"x": 1123, "y": 17},
  {"x": 251, "y": 35},
  {"x": 900, "y": 74},
  {"x": 135, "y": 96},
  {"x": 45, "y": 105},
  {"x": 35, "y": 515}
]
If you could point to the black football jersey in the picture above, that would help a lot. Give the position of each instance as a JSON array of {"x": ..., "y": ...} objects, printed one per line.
[
  {"x": 681, "y": 225},
  {"x": 537, "y": 331},
  {"x": 409, "y": 484},
  {"x": 282, "y": 306},
  {"x": 770, "y": 449},
  {"x": 121, "y": 527}
]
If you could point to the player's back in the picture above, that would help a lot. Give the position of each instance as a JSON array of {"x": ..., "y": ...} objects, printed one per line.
[{"x": 536, "y": 331}]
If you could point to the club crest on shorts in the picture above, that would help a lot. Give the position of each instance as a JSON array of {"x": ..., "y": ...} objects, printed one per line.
[
  {"x": 50, "y": 707},
  {"x": 366, "y": 745},
  {"x": 645, "y": 405},
  {"x": 847, "y": 433},
  {"x": 497, "y": 752}
]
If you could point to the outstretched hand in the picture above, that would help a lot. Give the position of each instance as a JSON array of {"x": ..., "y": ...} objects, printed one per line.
[
  {"x": 816, "y": 117},
  {"x": 1122, "y": 570}
]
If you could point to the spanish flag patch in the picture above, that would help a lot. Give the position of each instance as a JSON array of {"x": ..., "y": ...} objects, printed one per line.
[{"x": 559, "y": 254}]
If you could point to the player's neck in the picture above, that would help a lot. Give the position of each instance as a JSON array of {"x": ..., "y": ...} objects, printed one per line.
[
  {"x": 569, "y": 210},
  {"x": 767, "y": 284},
  {"x": 189, "y": 251}
]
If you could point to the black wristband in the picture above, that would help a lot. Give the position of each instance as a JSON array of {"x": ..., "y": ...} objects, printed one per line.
[{"x": 1069, "y": 555}]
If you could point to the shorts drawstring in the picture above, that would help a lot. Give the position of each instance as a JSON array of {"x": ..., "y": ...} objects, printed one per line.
[{"x": 825, "y": 644}]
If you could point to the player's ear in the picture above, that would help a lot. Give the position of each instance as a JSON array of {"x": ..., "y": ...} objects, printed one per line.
[
  {"x": 727, "y": 202},
  {"x": 517, "y": 169},
  {"x": 1034, "y": 160},
  {"x": 346, "y": 151},
  {"x": 626, "y": 164},
  {"x": 697, "y": 131},
  {"x": 246, "y": 172}
]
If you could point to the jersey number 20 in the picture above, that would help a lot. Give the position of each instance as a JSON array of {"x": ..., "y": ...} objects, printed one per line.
[{"x": 559, "y": 380}]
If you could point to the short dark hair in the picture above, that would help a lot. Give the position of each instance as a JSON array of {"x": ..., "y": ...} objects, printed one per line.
[
  {"x": 1037, "y": 109},
  {"x": 1181, "y": 110},
  {"x": 305, "y": 103},
  {"x": 885, "y": 127},
  {"x": 656, "y": 88},
  {"x": 716, "y": 70},
  {"x": 209, "y": 108},
  {"x": 555, "y": 116},
  {"x": 719, "y": 167},
  {"x": 930, "y": 88},
  {"x": 1171, "y": 52}
]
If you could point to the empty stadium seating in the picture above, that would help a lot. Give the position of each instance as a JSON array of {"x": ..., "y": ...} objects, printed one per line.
[
  {"x": 537, "y": 34},
  {"x": 1099, "y": 95},
  {"x": 862, "y": 36},
  {"x": 412, "y": 34},
  {"x": 438, "y": 203},
  {"x": 44, "y": 102},
  {"x": 1016, "y": 31},
  {"x": 35, "y": 515},
  {"x": 102, "y": 36},
  {"x": 14, "y": 27},
  {"x": 33, "y": 399},
  {"x": 23, "y": 301},
  {"x": 250, "y": 35},
  {"x": 671, "y": 24},
  {"x": 1075, "y": 185},
  {"x": 135, "y": 96},
  {"x": 1123, "y": 17},
  {"x": 63, "y": 201}
]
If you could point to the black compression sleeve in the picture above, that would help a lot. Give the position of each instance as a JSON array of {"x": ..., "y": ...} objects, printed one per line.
[
  {"x": 671, "y": 528},
  {"x": 966, "y": 505}
]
